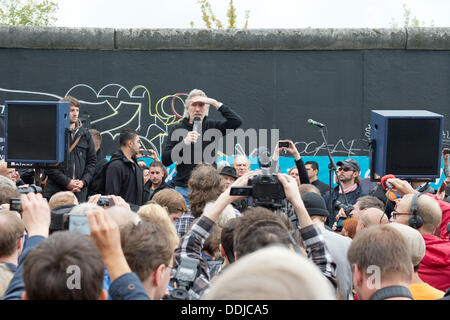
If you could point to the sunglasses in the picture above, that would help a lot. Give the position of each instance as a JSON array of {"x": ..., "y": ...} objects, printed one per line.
[
  {"x": 395, "y": 214},
  {"x": 345, "y": 169}
]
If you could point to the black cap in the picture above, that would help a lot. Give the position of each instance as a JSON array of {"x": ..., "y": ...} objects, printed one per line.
[
  {"x": 228, "y": 171},
  {"x": 315, "y": 204},
  {"x": 349, "y": 163},
  {"x": 57, "y": 216}
]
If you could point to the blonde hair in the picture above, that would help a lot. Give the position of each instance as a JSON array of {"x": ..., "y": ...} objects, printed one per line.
[
  {"x": 61, "y": 198},
  {"x": 271, "y": 273},
  {"x": 155, "y": 214}
]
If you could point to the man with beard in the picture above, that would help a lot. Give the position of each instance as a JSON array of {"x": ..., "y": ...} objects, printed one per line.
[
  {"x": 124, "y": 175},
  {"x": 78, "y": 173},
  {"x": 348, "y": 172}
]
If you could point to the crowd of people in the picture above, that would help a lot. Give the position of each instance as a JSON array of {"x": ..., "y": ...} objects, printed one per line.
[{"x": 121, "y": 230}]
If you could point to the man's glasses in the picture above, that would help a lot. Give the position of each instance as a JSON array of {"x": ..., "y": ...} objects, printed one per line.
[
  {"x": 395, "y": 214},
  {"x": 345, "y": 169}
]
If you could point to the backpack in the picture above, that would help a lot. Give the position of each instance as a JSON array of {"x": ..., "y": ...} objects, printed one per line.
[{"x": 98, "y": 183}]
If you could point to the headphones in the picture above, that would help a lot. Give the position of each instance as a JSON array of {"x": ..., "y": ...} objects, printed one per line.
[{"x": 415, "y": 221}]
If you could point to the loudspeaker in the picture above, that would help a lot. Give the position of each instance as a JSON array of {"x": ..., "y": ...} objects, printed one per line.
[
  {"x": 406, "y": 143},
  {"x": 35, "y": 131}
]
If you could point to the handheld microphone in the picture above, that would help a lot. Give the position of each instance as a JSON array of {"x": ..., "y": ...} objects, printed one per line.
[
  {"x": 386, "y": 184},
  {"x": 197, "y": 125},
  {"x": 315, "y": 123},
  {"x": 388, "y": 187}
]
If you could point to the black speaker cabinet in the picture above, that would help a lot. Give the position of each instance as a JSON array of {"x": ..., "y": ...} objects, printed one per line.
[
  {"x": 35, "y": 131},
  {"x": 406, "y": 143}
]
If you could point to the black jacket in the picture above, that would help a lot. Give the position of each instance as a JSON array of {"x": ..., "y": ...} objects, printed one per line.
[
  {"x": 124, "y": 178},
  {"x": 95, "y": 187},
  {"x": 232, "y": 121},
  {"x": 351, "y": 197},
  {"x": 148, "y": 190},
  {"x": 81, "y": 165}
]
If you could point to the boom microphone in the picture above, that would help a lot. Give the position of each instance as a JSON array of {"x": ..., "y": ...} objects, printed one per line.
[{"x": 315, "y": 123}]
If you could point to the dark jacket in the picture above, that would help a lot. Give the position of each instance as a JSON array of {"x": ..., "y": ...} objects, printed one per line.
[
  {"x": 351, "y": 197},
  {"x": 323, "y": 187},
  {"x": 94, "y": 187},
  {"x": 124, "y": 178},
  {"x": 16, "y": 286},
  {"x": 148, "y": 195},
  {"x": 232, "y": 121},
  {"x": 302, "y": 173},
  {"x": 81, "y": 165}
]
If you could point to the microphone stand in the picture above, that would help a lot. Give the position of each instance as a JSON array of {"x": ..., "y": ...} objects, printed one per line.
[{"x": 332, "y": 167}]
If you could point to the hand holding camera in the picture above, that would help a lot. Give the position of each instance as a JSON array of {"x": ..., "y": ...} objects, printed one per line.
[
  {"x": 106, "y": 234},
  {"x": 148, "y": 153},
  {"x": 35, "y": 214}
]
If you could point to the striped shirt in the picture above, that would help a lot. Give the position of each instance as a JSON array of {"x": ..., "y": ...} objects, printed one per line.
[{"x": 192, "y": 244}]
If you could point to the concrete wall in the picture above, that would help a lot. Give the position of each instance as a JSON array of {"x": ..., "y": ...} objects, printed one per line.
[{"x": 273, "y": 78}]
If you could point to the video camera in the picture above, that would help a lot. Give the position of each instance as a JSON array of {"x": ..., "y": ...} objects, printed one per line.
[{"x": 265, "y": 188}]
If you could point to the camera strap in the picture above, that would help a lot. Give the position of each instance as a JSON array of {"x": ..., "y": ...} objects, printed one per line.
[{"x": 391, "y": 292}]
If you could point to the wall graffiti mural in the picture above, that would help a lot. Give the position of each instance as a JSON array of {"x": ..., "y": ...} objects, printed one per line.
[{"x": 113, "y": 107}]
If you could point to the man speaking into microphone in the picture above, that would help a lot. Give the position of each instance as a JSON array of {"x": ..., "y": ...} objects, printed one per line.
[{"x": 186, "y": 136}]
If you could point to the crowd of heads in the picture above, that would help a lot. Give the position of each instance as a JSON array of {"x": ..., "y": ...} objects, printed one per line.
[{"x": 259, "y": 253}]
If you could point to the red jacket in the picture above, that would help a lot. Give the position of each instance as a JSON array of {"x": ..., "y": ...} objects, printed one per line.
[{"x": 435, "y": 266}]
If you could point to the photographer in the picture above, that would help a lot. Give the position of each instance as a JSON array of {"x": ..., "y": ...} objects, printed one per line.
[
  {"x": 298, "y": 172},
  {"x": 191, "y": 244},
  {"x": 348, "y": 172}
]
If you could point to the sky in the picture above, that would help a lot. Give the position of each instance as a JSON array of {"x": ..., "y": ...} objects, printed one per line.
[{"x": 263, "y": 13}]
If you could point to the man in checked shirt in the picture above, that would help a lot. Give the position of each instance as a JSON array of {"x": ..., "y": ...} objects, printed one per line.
[{"x": 191, "y": 244}]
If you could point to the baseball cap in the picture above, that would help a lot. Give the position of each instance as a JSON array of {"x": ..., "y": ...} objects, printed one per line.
[{"x": 349, "y": 163}]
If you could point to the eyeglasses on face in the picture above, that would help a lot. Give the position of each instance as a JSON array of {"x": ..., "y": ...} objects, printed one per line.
[
  {"x": 345, "y": 169},
  {"x": 395, "y": 214}
]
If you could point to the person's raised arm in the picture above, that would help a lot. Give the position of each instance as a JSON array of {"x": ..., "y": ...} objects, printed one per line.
[
  {"x": 36, "y": 219},
  {"x": 225, "y": 198},
  {"x": 293, "y": 196},
  {"x": 106, "y": 234}
]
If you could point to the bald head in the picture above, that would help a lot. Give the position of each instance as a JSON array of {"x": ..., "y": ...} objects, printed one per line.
[
  {"x": 242, "y": 165},
  {"x": 123, "y": 216},
  {"x": 370, "y": 217},
  {"x": 427, "y": 208},
  {"x": 7, "y": 172}
]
